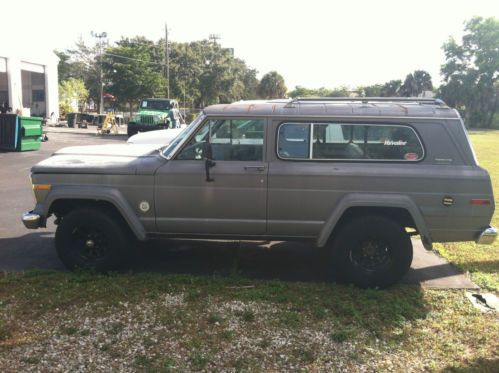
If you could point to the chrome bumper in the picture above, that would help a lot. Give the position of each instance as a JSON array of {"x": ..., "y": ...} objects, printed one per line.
[
  {"x": 487, "y": 237},
  {"x": 30, "y": 220}
]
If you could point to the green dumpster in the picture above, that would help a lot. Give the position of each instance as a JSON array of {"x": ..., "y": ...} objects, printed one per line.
[{"x": 30, "y": 134}]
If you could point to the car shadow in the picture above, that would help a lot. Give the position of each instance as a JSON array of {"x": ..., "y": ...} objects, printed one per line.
[{"x": 285, "y": 261}]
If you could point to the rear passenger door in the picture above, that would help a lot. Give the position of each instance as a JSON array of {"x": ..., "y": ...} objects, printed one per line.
[
  {"x": 235, "y": 201},
  {"x": 317, "y": 163}
]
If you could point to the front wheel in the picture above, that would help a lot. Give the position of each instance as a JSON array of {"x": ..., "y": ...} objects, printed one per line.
[
  {"x": 131, "y": 131},
  {"x": 89, "y": 238},
  {"x": 371, "y": 252}
]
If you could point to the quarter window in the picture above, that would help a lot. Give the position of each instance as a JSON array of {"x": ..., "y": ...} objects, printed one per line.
[
  {"x": 294, "y": 140},
  {"x": 230, "y": 139},
  {"x": 336, "y": 141}
]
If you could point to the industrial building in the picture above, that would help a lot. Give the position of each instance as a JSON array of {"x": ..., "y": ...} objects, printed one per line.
[{"x": 28, "y": 82}]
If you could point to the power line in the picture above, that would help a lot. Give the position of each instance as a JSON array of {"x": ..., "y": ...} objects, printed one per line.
[{"x": 133, "y": 59}]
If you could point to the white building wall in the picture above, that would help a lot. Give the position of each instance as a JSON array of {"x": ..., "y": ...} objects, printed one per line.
[
  {"x": 52, "y": 90},
  {"x": 47, "y": 64},
  {"x": 15, "y": 84}
]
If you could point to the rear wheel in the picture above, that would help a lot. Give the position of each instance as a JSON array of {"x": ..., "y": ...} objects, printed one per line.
[
  {"x": 89, "y": 238},
  {"x": 371, "y": 252}
]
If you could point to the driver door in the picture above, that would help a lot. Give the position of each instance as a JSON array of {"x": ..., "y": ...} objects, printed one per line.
[{"x": 235, "y": 201}]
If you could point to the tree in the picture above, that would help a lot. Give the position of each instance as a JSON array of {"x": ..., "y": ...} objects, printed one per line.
[
  {"x": 471, "y": 72},
  {"x": 72, "y": 95},
  {"x": 131, "y": 72},
  {"x": 300, "y": 91},
  {"x": 391, "y": 88},
  {"x": 85, "y": 65},
  {"x": 272, "y": 86},
  {"x": 416, "y": 83},
  {"x": 371, "y": 90}
]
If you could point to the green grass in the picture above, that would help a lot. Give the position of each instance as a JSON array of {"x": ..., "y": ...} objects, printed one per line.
[
  {"x": 176, "y": 323},
  {"x": 482, "y": 261}
]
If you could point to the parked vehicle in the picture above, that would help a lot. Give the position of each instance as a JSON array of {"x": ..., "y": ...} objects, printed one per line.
[
  {"x": 155, "y": 114},
  {"x": 356, "y": 177},
  {"x": 159, "y": 137}
]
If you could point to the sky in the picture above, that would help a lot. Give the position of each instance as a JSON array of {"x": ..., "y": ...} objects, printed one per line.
[{"x": 313, "y": 43}]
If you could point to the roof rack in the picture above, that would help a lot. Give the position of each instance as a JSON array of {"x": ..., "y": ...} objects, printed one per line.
[{"x": 365, "y": 100}]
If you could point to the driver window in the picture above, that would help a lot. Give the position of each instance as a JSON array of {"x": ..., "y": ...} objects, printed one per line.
[{"x": 230, "y": 139}]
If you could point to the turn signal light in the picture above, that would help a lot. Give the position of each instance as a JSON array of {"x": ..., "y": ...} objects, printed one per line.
[
  {"x": 480, "y": 201},
  {"x": 42, "y": 186}
]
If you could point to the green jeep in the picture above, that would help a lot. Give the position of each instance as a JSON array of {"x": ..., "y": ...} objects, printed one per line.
[{"x": 155, "y": 114}]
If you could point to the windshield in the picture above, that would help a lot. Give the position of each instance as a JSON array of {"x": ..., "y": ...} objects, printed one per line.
[
  {"x": 155, "y": 105},
  {"x": 182, "y": 135}
]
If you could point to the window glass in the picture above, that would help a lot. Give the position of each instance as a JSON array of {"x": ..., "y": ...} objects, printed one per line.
[
  {"x": 392, "y": 143},
  {"x": 338, "y": 141},
  {"x": 349, "y": 141},
  {"x": 186, "y": 132},
  {"x": 294, "y": 139},
  {"x": 230, "y": 140}
]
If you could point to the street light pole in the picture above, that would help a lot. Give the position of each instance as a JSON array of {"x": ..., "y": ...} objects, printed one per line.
[{"x": 100, "y": 36}]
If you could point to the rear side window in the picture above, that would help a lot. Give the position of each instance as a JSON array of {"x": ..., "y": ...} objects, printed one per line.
[{"x": 336, "y": 141}]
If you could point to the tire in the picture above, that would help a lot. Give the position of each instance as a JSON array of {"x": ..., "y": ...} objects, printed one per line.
[
  {"x": 371, "y": 252},
  {"x": 89, "y": 238},
  {"x": 131, "y": 131}
]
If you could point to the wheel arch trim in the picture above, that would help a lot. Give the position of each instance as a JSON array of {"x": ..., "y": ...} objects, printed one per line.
[
  {"x": 93, "y": 193},
  {"x": 374, "y": 200}
]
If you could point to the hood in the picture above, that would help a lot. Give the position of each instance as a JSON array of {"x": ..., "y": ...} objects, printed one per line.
[{"x": 98, "y": 159}]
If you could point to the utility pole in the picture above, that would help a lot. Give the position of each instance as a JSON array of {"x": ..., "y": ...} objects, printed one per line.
[
  {"x": 214, "y": 38},
  {"x": 100, "y": 36},
  {"x": 167, "y": 57}
]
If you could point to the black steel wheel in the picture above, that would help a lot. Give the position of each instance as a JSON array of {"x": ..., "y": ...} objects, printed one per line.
[
  {"x": 371, "y": 252},
  {"x": 90, "y": 238}
]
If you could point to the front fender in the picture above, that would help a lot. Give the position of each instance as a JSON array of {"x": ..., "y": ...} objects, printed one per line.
[
  {"x": 375, "y": 200},
  {"x": 93, "y": 193}
]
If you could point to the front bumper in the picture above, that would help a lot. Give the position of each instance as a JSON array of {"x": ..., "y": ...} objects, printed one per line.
[
  {"x": 488, "y": 236},
  {"x": 31, "y": 220}
]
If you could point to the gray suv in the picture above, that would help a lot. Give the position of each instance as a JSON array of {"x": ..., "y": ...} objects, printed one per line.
[{"x": 355, "y": 176}]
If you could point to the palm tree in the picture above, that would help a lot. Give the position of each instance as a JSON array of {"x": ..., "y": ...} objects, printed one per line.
[
  {"x": 272, "y": 86},
  {"x": 416, "y": 83}
]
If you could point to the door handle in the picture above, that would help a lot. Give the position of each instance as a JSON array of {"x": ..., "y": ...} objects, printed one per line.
[{"x": 254, "y": 168}]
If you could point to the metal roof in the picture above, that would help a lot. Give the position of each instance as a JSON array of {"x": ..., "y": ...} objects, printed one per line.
[{"x": 338, "y": 107}]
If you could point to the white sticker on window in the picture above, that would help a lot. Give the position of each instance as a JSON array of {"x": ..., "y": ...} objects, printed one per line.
[{"x": 395, "y": 143}]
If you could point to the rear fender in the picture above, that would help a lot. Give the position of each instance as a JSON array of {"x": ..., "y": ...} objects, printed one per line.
[{"x": 375, "y": 200}]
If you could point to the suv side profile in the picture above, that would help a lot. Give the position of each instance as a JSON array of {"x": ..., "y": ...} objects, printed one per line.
[{"x": 355, "y": 176}]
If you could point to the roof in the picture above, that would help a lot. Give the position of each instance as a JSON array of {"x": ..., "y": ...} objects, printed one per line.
[{"x": 338, "y": 107}]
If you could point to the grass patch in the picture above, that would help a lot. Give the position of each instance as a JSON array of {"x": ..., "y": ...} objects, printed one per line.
[
  {"x": 155, "y": 318},
  {"x": 5, "y": 332}
]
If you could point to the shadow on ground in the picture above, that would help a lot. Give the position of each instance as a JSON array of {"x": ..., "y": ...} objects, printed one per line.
[{"x": 286, "y": 261}]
